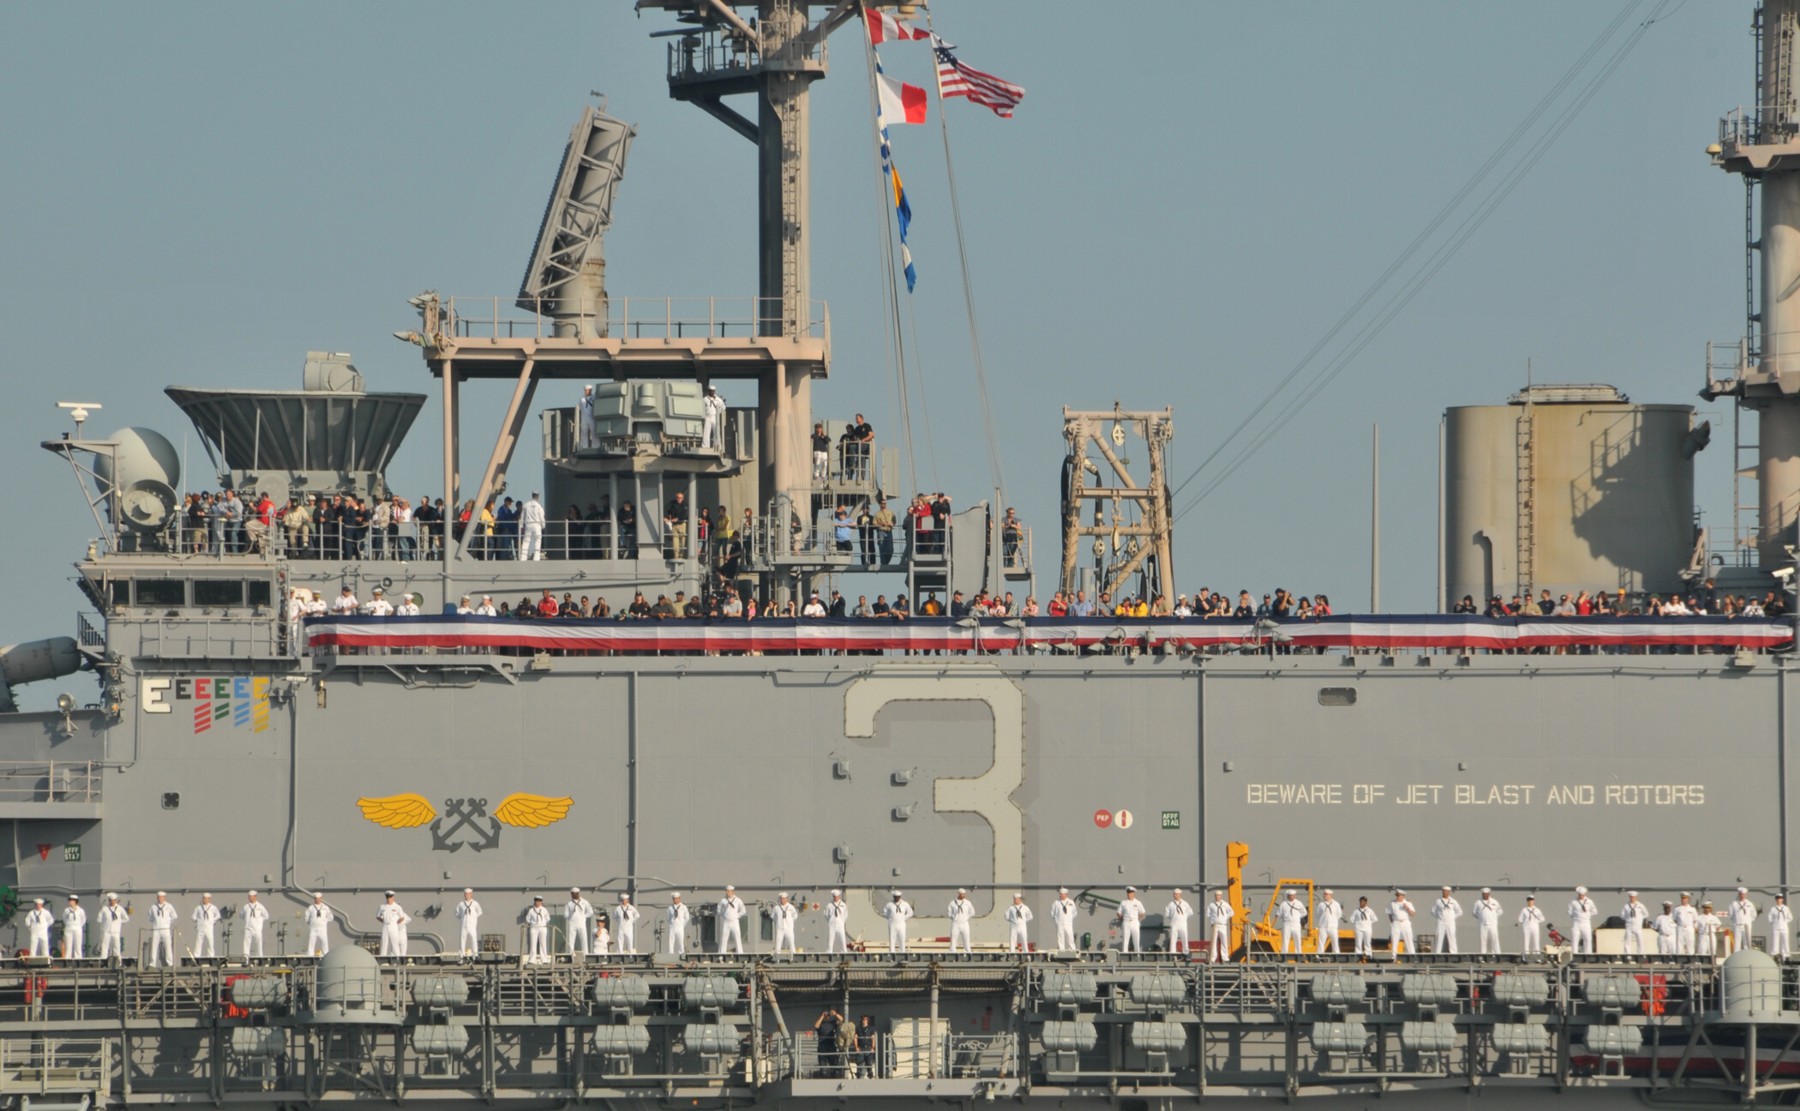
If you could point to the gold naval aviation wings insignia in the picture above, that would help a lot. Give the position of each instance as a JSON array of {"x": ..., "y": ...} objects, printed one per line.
[{"x": 521, "y": 809}]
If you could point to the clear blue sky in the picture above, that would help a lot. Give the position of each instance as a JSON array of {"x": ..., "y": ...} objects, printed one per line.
[{"x": 197, "y": 193}]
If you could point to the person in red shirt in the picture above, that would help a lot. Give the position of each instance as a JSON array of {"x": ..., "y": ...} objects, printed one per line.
[
  {"x": 546, "y": 606},
  {"x": 1058, "y": 607}
]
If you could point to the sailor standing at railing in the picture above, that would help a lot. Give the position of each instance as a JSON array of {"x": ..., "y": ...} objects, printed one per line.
[
  {"x": 1362, "y": 928},
  {"x": 1666, "y": 929},
  {"x": 1062, "y": 913},
  {"x": 1018, "y": 919},
  {"x": 206, "y": 922},
  {"x": 393, "y": 919},
  {"x": 1219, "y": 914},
  {"x": 625, "y": 920},
  {"x": 378, "y": 605},
  {"x": 960, "y": 911},
  {"x": 531, "y": 529},
  {"x": 714, "y": 419},
  {"x": 1331, "y": 914},
  {"x": 1781, "y": 928},
  {"x": 586, "y": 416},
  {"x": 37, "y": 928},
  {"x": 254, "y": 917},
  {"x": 577, "y": 913},
  {"x": 1687, "y": 925},
  {"x": 1487, "y": 912},
  {"x": 1531, "y": 926},
  {"x": 1130, "y": 916},
  {"x": 1175, "y": 917},
  {"x": 897, "y": 912},
  {"x": 346, "y": 602},
  {"x": 74, "y": 928},
  {"x": 1446, "y": 911},
  {"x": 112, "y": 918},
  {"x": 731, "y": 911},
  {"x": 784, "y": 914},
  {"x": 468, "y": 912},
  {"x": 162, "y": 929},
  {"x": 1581, "y": 921},
  {"x": 1400, "y": 913},
  {"x": 1710, "y": 926},
  {"x": 537, "y": 932},
  {"x": 837, "y": 920},
  {"x": 1291, "y": 917},
  {"x": 318, "y": 926},
  {"x": 1634, "y": 914},
  {"x": 677, "y": 924},
  {"x": 1742, "y": 913}
]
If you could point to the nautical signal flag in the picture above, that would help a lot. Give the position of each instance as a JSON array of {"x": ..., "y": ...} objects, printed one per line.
[
  {"x": 900, "y": 102},
  {"x": 957, "y": 79},
  {"x": 883, "y": 27}
]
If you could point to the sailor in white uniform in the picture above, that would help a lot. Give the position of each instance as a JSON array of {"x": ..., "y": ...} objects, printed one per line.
[
  {"x": 785, "y": 914},
  {"x": 1445, "y": 912},
  {"x": 37, "y": 928},
  {"x": 731, "y": 913},
  {"x": 1634, "y": 914},
  {"x": 206, "y": 924},
  {"x": 1487, "y": 922},
  {"x": 587, "y": 416},
  {"x": 393, "y": 919},
  {"x": 1581, "y": 922},
  {"x": 625, "y": 920},
  {"x": 1400, "y": 929},
  {"x": 578, "y": 913},
  {"x": 162, "y": 929},
  {"x": 897, "y": 912},
  {"x": 1331, "y": 916},
  {"x": 1362, "y": 928},
  {"x": 1219, "y": 914},
  {"x": 537, "y": 932},
  {"x": 112, "y": 918},
  {"x": 1018, "y": 919},
  {"x": 531, "y": 529},
  {"x": 1668, "y": 931},
  {"x": 960, "y": 912},
  {"x": 378, "y": 605},
  {"x": 468, "y": 913},
  {"x": 1062, "y": 914},
  {"x": 1175, "y": 916},
  {"x": 1131, "y": 921},
  {"x": 1531, "y": 926},
  {"x": 677, "y": 923},
  {"x": 714, "y": 420},
  {"x": 318, "y": 926},
  {"x": 74, "y": 929},
  {"x": 1742, "y": 913},
  {"x": 1687, "y": 925},
  {"x": 1290, "y": 915},
  {"x": 254, "y": 917},
  {"x": 1709, "y": 929},
  {"x": 837, "y": 915},
  {"x": 1781, "y": 928}
]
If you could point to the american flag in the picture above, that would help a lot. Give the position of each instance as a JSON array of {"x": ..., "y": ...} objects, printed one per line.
[{"x": 957, "y": 79}]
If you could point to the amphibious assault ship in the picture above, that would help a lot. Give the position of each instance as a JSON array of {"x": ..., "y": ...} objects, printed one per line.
[{"x": 352, "y": 754}]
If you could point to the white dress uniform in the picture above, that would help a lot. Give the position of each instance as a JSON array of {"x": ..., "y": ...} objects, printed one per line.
[
  {"x": 784, "y": 914},
  {"x": 162, "y": 930},
  {"x": 587, "y": 417},
  {"x": 1362, "y": 930},
  {"x": 1219, "y": 914},
  {"x": 1175, "y": 917},
  {"x": 1531, "y": 928},
  {"x": 1331, "y": 916},
  {"x": 537, "y": 933},
  {"x": 1131, "y": 923},
  {"x": 1018, "y": 919},
  {"x": 678, "y": 924},
  {"x": 393, "y": 919},
  {"x": 206, "y": 924},
  {"x": 1635, "y": 915},
  {"x": 1668, "y": 932},
  {"x": 112, "y": 918},
  {"x": 1742, "y": 913},
  {"x": 318, "y": 929},
  {"x": 1687, "y": 922},
  {"x": 1581, "y": 921},
  {"x": 1290, "y": 915},
  {"x": 531, "y": 530},
  {"x": 1062, "y": 914},
  {"x": 578, "y": 913},
  {"x": 1445, "y": 912},
  {"x": 74, "y": 930},
  {"x": 1400, "y": 929},
  {"x": 468, "y": 913},
  {"x": 710, "y": 424},
  {"x": 625, "y": 920},
  {"x": 731, "y": 913},
  {"x": 1781, "y": 929},
  {"x": 960, "y": 911},
  {"x": 1487, "y": 912},
  {"x": 379, "y": 606},
  {"x": 898, "y": 913},
  {"x": 1709, "y": 933},
  {"x": 37, "y": 929},
  {"x": 837, "y": 916},
  {"x": 254, "y": 917}
]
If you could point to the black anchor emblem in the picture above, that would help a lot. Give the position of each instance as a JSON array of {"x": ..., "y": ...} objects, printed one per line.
[{"x": 461, "y": 815}]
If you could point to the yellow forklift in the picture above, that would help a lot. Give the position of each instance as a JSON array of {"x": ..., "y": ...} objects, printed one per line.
[{"x": 1262, "y": 935}]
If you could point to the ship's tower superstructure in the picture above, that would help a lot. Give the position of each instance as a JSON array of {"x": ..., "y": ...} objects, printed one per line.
[{"x": 1762, "y": 143}]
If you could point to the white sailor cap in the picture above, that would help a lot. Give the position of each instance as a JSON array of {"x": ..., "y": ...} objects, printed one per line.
[
  {"x": 624, "y": 898},
  {"x": 1581, "y": 891},
  {"x": 1293, "y": 893},
  {"x": 1631, "y": 894},
  {"x": 676, "y": 895},
  {"x": 537, "y": 898},
  {"x": 1062, "y": 891},
  {"x": 577, "y": 890},
  {"x": 1128, "y": 887},
  {"x": 1219, "y": 892},
  {"x": 1328, "y": 891},
  {"x": 1743, "y": 891},
  {"x": 896, "y": 894},
  {"x": 389, "y": 894},
  {"x": 962, "y": 891},
  {"x": 318, "y": 894},
  {"x": 1399, "y": 890},
  {"x": 74, "y": 898},
  {"x": 1017, "y": 895},
  {"x": 253, "y": 893},
  {"x": 162, "y": 894},
  {"x": 1687, "y": 894},
  {"x": 1667, "y": 903},
  {"x": 206, "y": 894},
  {"x": 39, "y": 902},
  {"x": 377, "y": 590},
  {"x": 836, "y": 894},
  {"x": 731, "y": 887},
  {"x": 1445, "y": 887},
  {"x": 1176, "y": 891},
  {"x": 1531, "y": 898},
  {"x": 113, "y": 896},
  {"x": 468, "y": 891},
  {"x": 782, "y": 895}
]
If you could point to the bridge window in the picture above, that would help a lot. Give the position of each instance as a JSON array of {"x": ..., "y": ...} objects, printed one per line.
[
  {"x": 161, "y": 592},
  {"x": 1337, "y": 696},
  {"x": 218, "y": 592}
]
